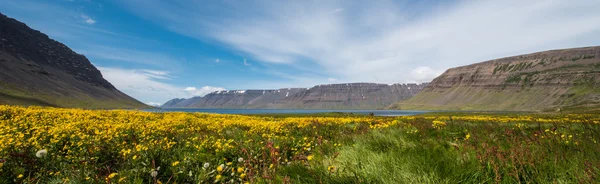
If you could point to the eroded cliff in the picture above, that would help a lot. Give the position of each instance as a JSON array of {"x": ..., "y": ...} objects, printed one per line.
[
  {"x": 329, "y": 96},
  {"x": 543, "y": 81}
]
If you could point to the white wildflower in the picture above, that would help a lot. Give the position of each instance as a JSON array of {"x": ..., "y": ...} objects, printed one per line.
[
  {"x": 154, "y": 173},
  {"x": 240, "y": 159},
  {"x": 206, "y": 165},
  {"x": 41, "y": 153}
]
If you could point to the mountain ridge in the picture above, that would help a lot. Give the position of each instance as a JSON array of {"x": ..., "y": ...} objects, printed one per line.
[
  {"x": 325, "y": 96},
  {"x": 37, "y": 70},
  {"x": 550, "y": 80}
]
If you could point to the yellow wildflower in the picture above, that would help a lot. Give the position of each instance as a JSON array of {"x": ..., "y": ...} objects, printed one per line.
[
  {"x": 439, "y": 124},
  {"x": 331, "y": 168},
  {"x": 112, "y": 175}
]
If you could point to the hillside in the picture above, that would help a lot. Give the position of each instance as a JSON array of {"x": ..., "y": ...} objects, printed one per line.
[
  {"x": 566, "y": 79},
  {"x": 36, "y": 70},
  {"x": 330, "y": 96}
]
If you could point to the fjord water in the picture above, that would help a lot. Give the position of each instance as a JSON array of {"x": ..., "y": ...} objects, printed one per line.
[{"x": 293, "y": 111}]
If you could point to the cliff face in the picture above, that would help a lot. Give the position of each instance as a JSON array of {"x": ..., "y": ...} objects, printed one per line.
[
  {"x": 550, "y": 80},
  {"x": 353, "y": 96},
  {"x": 331, "y": 96},
  {"x": 36, "y": 70}
]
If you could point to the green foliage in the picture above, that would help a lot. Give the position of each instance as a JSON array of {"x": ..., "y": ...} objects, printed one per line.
[
  {"x": 513, "y": 79},
  {"x": 588, "y": 57},
  {"x": 492, "y": 153},
  {"x": 583, "y": 57},
  {"x": 512, "y": 68}
]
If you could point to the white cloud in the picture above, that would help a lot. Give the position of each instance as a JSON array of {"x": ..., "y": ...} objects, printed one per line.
[
  {"x": 150, "y": 58},
  {"x": 190, "y": 89},
  {"x": 424, "y": 74},
  {"x": 384, "y": 41},
  {"x": 338, "y": 10},
  {"x": 246, "y": 63},
  {"x": 217, "y": 60},
  {"x": 143, "y": 85},
  {"x": 148, "y": 86},
  {"x": 193, "y": 91},
  {"x": 154, "y": 104},
  {"x": 87, "y": 19},
  {"x": 332, "y": 79}
]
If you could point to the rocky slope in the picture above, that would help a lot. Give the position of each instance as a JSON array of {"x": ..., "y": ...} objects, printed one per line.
[
  {"x": 566, "y": 79},
  {"x": 36, "y": 70},
  {"x": 331, "y": 96}
]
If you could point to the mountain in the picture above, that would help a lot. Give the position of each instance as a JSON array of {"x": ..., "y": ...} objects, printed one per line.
[
  {"x": 553, "y": 80},
  {"x": 36, "y": 70},
  {"x": 172, "y": 102},
  {"x": 330, "y": 96}
]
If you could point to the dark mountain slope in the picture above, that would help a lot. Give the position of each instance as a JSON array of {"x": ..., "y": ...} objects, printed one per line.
[{"x": 36, "y": 70}]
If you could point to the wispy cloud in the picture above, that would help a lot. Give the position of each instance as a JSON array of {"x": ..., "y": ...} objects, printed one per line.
[
  {"x": 145, "y": 86},
  {"x": 338, "y": 10},
  {"x": 149, "y": 58},
  {"x": 151, "y": 85},
  {"x": 156, "y": 104},
  {"x": 217, "y": 60},
  {"x": 87, "y": 19},
  {"x": 246, "y": 63},
  {"x": 383, "y": 41},
  {"x": 193, "y": 91}
]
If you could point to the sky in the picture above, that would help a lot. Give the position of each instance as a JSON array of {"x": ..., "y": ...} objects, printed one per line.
[{"x": 155, "y": 50}]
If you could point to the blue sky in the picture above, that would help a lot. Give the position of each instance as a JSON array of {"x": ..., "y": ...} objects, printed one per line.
[{"x": 158, "y": 50}]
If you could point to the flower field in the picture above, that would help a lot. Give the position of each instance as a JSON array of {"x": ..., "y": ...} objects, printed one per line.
[{"x": 53, "y": 145}]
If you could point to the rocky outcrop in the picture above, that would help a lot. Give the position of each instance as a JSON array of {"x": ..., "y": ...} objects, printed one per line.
[
  {"x": 330, "y": 96},
  {"x": 36, "y": 70},
  {"x": 550, "y": 80}
]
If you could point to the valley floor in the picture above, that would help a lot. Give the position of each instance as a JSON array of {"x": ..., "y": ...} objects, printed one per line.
[{"x": 53, "y": 145}]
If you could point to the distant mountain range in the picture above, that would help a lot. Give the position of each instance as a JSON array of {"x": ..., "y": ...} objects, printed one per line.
[
  {"x": 553, "y": 80},
  {"x": 36, "y": 70},
  {"x": 330, "y": 96}
]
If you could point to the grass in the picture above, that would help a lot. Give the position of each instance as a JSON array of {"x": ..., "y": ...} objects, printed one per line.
[
  {"x": 12, "y": 95},
  {"x": 493, "y": 153},
  {"x": 96, "y": 146}
]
